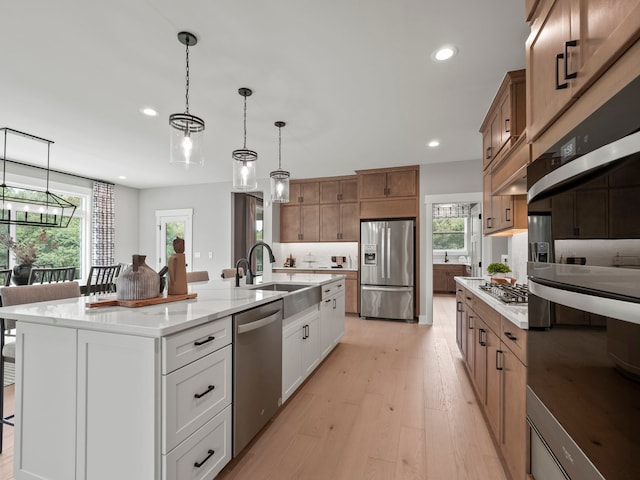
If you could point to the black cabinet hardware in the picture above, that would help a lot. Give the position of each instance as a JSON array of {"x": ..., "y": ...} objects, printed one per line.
[
  {"x": 567, "y": 75},
  {"x": 200, "y": 395},
  {"x": 199, "y": 464},
  {"x": 483, "y": 333},
  {"x": 510, "y": 336},
  {"x": 498, "y": 352},
  {"x": 209, "y": 339},
  {"x": 559, "y": 86}
]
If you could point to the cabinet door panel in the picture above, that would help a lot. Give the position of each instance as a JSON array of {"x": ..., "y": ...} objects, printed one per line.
[
  {"x": 350, "y": 222},
  {"x": 329, "y": 223},
  {"x": 349, "y": 190},
  {"x": 548, "y": 35},
  {"x": 480, "y": 360},
  {"x": 310, "y": 192},
  {"x": 291, "y": 359},
  {"x": 351, "y": 295},
  {"x": 311, "y": 344},
  {"x": 310, "y": 223},
  {"x": 373, "y": 185},
  {"x": 289, "y": 223},
  {"x": 401, "y": 184},
  {"x": 514, "y": 427},
  {"x": 45, "y": 435},
  {"x": 493, "y": 403},
  {"x": 329, "y": 191},
  {"x": 591, "y": 213}
]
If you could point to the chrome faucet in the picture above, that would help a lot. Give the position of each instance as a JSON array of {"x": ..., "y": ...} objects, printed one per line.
[
  {"x": 250, "y": 274},
  {"x": 246, "y": 263}
]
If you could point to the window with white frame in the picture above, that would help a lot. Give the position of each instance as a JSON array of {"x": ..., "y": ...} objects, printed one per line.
[
  {"x": 450, "y": 227},
  {"x": 65, "y": 247}
]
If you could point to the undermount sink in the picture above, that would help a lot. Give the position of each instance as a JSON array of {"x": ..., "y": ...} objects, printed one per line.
[
  {"x": 280, "y": 287},
  {"x": 301, "y": 295}
]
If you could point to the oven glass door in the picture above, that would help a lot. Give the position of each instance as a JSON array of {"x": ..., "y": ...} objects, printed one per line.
[{"x": 585, "y": 369}]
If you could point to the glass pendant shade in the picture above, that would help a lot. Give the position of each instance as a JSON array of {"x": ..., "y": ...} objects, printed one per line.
[
  {"x": 280, "y": 186},
  {"x": 280, "y": 177},
  {"x": 244, "y": 175},
  {"x": 186, "y": 139}
]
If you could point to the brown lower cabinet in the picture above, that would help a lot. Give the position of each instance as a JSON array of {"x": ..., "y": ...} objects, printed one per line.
[
  {"x": 443, "y": 276},
  {"x": 494, "y": 353},
  {"x": 350, "y": 285}
]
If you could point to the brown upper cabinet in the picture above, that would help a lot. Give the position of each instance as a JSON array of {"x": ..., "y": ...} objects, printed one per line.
[
  {"x": 505, "y": 120},
  {"x": 388, "y": 183},
  {"x": 572, "y": 43},
  {"x": 339, "y": 190},
  {"x": 304, "y": 192},
  {"x": 299, "y": 223}
]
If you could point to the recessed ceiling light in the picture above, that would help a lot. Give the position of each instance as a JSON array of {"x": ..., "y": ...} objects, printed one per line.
[
  {"x": 444, "y": 53},
  {"x": 122, "y": 177},
  {"x": 151, "y": 112},
  {"x": 433, "y": 143}
]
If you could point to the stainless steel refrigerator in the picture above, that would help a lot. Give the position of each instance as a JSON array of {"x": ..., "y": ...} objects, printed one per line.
[{"x": 387, "y": 269}]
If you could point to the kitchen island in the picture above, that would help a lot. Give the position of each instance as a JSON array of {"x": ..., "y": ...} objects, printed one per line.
[{"x": 100, "y": 392}]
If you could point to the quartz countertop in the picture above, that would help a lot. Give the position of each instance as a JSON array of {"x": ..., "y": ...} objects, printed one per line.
[
  {"x": 516, "y": 314},
  {"x": 217, "y": 298}
]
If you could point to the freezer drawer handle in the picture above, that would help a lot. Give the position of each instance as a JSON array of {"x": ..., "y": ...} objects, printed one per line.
[
  {"x": 209, "y": 339},
  {"x": 199, "y": 464},
  {"x": 200, "y": 395},
  {"x": 247, "y": 327}
]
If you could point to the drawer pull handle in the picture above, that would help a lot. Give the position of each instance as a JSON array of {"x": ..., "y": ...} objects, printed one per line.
[
  {"x": 199, "y": 464},
  {"x": 200, "y": 395},
  {"x": 482, "y": 332},
  {"x": 510, "y": 336},
  {"x": 340, "y": 286},
  {"x": 498, "y": 352},
  {"x": 209, "y": 339}
]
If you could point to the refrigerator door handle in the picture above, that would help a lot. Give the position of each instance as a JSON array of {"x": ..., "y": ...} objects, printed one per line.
[
  {"x": 388, "y": 252},
  {"x": 383, "y": 253},
  {"x": 376, "y": 288}
]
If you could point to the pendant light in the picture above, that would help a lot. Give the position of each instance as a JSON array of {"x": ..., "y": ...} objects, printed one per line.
[
  {"x": 279, "y": 177},
  {"x": 27, "y": 206},
  {"x": 244, "y": 160},
  {"x": 187, "y": 132}
]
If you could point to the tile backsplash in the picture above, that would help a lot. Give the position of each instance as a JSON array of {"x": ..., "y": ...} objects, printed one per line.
[
  {"x": 316, "y": 255},
  {"x": 518, "y": 247}
]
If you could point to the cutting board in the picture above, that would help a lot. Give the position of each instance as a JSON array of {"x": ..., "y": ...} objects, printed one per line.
[{"x": 114, "y": 302}]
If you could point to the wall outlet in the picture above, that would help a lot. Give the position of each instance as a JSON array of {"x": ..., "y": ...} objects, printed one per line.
[
  {"x": 210, "y": 255},
  {"x": 196, "y": 254},
  {"x": 504, "y": 259}
]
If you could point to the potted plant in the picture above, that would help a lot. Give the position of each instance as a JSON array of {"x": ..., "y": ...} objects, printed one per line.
[
  {"x": 25, "y": 253},
  {"x": 498, "y": 269}
]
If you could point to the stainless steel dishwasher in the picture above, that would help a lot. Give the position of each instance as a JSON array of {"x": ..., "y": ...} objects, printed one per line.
[{"x": 257, "y": 370}]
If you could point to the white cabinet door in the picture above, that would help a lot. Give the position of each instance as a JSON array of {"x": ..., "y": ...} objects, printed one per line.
[
  {"x": 338, "y": 304},
  {"x": 310, "y": 343},
  {"x": 291, "y": 358},
  {"x": 118, "y": 398},
  {"x": 326, "y": 326},
  {"x": 45, "y": 406}
]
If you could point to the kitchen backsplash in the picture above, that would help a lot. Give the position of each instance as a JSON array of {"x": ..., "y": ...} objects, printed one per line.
[
  {"x": 518, "y": 247},
  {"x": 316, "y": 255}
]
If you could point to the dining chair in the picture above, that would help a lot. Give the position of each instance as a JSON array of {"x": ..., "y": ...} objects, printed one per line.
[
  {"x": 198, "y": 276},
  {"x": 18, "y": 296},
  {"x": 51, "y": 275},
  {"x": 102, "y": 279}
]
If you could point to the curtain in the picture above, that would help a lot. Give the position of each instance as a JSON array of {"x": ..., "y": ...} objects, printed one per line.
[{"x": 102, "y": 235}]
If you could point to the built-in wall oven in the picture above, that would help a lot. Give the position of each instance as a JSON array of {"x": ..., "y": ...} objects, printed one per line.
[{"x": 583, "y": 392}]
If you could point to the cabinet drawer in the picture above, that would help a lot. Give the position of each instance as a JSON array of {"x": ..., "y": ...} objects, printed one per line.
[
  {"x": 484, "y": 311},
  {"x": 209, "y": 447},
  {"x": 515, "y": 339},
  {"x": 188, "y": 346},
  {"x": 193, "y": 394},
  {"x": 332, "y": 288}
]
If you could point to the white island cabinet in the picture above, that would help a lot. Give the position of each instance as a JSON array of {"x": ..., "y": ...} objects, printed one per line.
[{"x": 129, "y": 393}]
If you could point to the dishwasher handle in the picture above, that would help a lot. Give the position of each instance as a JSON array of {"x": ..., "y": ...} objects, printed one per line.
[{"x": 247, "y": 327}]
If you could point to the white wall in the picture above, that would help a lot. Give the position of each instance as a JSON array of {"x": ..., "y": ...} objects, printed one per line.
[{"x": 212, "y": 222}]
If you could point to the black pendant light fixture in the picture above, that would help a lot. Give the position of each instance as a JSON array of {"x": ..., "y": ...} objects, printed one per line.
[
  {"x": 27, "y": 206},
  {"x": 187, "y": 131},
  {"x": 244, "y": 160},
  {"x": 279, "y": 177}
]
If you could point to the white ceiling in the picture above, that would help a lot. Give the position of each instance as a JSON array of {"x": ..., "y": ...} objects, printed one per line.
[{"x": 353, "y": 79}]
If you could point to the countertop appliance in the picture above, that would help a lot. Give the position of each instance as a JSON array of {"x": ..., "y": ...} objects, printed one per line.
[
  {"x": 583, "y": 377},
  {"x": 257, "y": 370},
  {"x": 387, "y": 270},
  {"x": 338, "y": 261}
]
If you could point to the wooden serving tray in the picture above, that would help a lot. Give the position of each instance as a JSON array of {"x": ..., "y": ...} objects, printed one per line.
[{"x": 114, "y": 302}]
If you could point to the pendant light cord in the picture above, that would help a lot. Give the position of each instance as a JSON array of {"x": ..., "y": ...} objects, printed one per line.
[
  {"x": 187, "y": 80},
  {"x": 245, "y": 122},
  {"x": 279, "y": 148}
]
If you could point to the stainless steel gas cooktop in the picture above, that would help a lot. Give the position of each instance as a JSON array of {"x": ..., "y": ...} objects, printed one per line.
[{"x": 517, "y": 293}]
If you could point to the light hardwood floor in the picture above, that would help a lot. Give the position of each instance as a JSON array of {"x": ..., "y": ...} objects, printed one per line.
[{"x": 391, "y": 402}]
